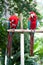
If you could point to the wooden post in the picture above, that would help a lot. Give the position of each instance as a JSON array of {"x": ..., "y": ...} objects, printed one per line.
[
  {"x": 25, "y": 30},
  {"x": 21, "y": 19},
  {"x": 6, "y": 57},
  {"x": 22, "y": 40}
]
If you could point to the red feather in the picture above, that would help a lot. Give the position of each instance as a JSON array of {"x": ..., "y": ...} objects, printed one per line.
[
  {"x": 15, "y": 21},
  {"x": 33, "y": 20}
]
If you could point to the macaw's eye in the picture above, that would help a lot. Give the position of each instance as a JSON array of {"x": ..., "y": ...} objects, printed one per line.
[
  {"x": 34, "y": 17},
  {"x": 14, "y": 20}
]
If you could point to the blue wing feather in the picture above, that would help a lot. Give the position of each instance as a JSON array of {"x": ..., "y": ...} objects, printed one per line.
[
  {"x": 28, "y": 24},
  {"x": 37, "y": 23},
  {"x": 8, "y": 25}
]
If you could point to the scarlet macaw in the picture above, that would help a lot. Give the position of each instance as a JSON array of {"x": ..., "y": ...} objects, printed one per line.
[
  {"x": 32, "y": 21},
  {"x": 13, "y": 22},
  {"x": 32, "y": 24}
]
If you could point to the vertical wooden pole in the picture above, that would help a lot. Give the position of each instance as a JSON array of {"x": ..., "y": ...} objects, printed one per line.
[
  {"x": 6, "y": 57},
  {"x": 21, "y": 19},
  {"x": 31, "y": 43},
  {"x": 22, "y": 48},
  {"x": 22, "y": 41}
]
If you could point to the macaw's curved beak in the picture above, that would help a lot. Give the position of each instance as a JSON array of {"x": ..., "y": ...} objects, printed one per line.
[{"x": 32, "y": 15}]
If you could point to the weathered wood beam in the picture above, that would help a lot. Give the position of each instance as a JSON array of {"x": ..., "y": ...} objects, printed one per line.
[{"x": 24, "y": 30}]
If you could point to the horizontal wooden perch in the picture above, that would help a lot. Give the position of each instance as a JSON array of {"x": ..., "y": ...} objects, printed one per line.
[{"x": 24, "y": 30}]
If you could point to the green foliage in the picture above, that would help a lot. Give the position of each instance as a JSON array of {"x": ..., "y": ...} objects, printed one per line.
[
  {"x": 2, "y": 35},
  {"x": 19, "y": 6},
  {"x": 15, "y": 6},
  {"x": 38, "y": 49},
  {"x": 3, "y": 39}
]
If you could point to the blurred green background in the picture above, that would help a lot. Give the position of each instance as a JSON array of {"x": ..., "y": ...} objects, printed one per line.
[{"x": 7, "y": 8}]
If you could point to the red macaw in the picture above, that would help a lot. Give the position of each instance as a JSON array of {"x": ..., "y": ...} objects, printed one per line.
[
  {"x": 32, "y": 24},
  {"x": 13, "y": 22}
]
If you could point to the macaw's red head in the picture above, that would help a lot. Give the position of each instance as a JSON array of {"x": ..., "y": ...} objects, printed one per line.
[
  {"x": 33, "y": 15},
  {"x": 33, "y": 19},
  {"x": 13, "y": 21}
]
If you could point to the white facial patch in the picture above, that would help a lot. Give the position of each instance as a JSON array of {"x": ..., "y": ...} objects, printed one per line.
[
  {"x": 32, "y": 15},
  {"x": 12, "y": 20}
]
